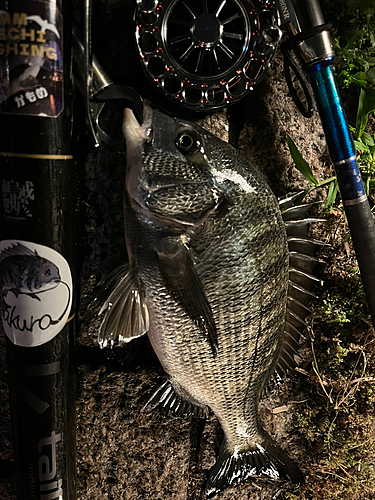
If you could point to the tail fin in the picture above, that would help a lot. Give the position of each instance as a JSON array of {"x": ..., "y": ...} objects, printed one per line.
[{"x": 266, "y": 461}]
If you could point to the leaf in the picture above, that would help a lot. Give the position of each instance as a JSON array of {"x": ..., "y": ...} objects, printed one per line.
[
  {"x": 367, "y": 139},
  {"x": 361, "y": 119},
  {"x": 370, "y": 76},
  {"x": 369, "y": 104},
  {"x": 332, "y": 193},
  {"x": 300, "y": 163},
  {"x": 361, "y": 75},
  {"x": 361, "y": 83},
  {"x": 307, "y": 191},
  {"x": 359, "y": 146},
  {"x": 366, "y": 105},
  {"x": 367, "y": 186}
]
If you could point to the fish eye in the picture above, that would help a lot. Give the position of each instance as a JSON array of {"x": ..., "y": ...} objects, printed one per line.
[
  {"x": 188, "y": 142},
  {"x": 47, "y": 273}
]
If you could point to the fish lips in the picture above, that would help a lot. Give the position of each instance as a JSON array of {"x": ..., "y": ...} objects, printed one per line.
[{"x": 136, "y": 135}]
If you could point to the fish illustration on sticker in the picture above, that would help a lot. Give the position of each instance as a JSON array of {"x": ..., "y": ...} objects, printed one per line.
[
  {"x": 36, "y": 292},
  {"x": 24, "y": 271}
]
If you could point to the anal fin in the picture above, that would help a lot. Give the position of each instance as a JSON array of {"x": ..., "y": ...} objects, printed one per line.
[{"x": 168, "y": 400}]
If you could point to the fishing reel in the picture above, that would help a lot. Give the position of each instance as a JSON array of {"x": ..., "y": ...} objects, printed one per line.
[{"x": 205, "y": 54}]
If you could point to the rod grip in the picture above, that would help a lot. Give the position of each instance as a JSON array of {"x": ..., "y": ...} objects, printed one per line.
[{"x": 362, "y": 231}]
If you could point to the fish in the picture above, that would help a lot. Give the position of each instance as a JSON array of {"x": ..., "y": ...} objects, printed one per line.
[
  {"x": 23, "y": 271},
  {"x": 218, "y": 276}
]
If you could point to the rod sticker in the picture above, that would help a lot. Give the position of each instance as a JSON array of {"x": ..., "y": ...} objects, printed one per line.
[
  {"x": 36, "y": 292},
  {"x": 31, "y": 72},
  {"x": 18, "y": 197}
]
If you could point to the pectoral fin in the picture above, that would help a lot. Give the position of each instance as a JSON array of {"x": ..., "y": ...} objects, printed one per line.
[
  {"x": 183, "y": 282},
  {"x": 125, "y": 313}
]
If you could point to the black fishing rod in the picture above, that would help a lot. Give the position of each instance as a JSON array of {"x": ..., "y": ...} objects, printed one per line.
[
  {"x": 37, "y": 247},
  {"x": 309, "y": 40}
]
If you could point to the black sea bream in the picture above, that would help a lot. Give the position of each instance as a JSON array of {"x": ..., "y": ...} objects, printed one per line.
[
  {"x": 23, "y": 271},
  {"x": 208, "y": 280}
]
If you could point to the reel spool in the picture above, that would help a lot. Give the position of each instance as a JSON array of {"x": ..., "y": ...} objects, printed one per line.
[{"x": 205, "y": 54}]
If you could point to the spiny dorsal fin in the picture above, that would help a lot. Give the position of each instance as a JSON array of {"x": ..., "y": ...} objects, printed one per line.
[
  {"x": 297, "y": 212},
  {"x": 302, "y": 281},
  {"x": 301, "y": 292},
  {"x": 300, "y": 227},
  {"x": 288, "y": 200},
  {"x": 307, "y": 246},
  {"x": 303, "y": 278},
  {"x": 303, "y": 262}
]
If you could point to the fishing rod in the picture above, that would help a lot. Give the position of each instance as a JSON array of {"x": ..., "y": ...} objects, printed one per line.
[
  {"x": 309, "y": 39},
  {"x": 37, "y": 247}
]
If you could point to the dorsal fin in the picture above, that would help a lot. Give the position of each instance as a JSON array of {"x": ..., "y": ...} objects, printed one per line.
[
  {"x": 303, "y": 262},
  {"x": 302, "y": 282},
  {"x": 15, "y": 250}
]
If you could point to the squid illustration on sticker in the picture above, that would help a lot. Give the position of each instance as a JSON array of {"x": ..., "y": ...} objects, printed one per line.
[{"x": 36, "y": 292}]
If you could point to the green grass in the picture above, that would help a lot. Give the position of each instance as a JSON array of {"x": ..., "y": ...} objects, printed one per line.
[{"x": 336, "y": 415}]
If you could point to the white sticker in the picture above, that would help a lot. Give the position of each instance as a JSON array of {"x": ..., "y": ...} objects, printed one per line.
[{"x": 36, "y": 292}]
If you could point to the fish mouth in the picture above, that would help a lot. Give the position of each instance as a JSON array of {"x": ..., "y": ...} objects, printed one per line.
[
  {"x": 48, "y": 285},
  {"x": 136, "y": 133},
  {"x": 54, "y": 281}
]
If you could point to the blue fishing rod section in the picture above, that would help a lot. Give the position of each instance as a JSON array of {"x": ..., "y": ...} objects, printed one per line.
[
  {"x": 309, "y": 41},
  {"x": 340, "y": 144}
]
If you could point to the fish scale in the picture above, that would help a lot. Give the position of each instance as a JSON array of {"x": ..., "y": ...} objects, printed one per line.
[{"x": 208, "y": 279}]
